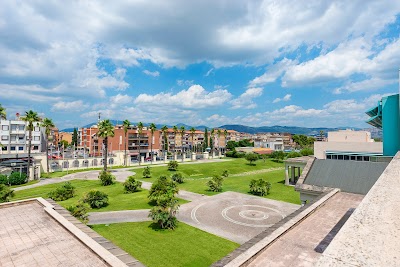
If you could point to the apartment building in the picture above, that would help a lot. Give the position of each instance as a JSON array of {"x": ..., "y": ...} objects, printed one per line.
[
  {"x": 273, "y": 141},
  {"x": 15, "y": 137}
]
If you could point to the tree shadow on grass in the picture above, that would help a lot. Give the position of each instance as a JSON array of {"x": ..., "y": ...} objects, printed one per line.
[
  {"x": 251, "y": 164},
  {"x": 156, "y": 227},
  {"x": 281, "y": 182}
]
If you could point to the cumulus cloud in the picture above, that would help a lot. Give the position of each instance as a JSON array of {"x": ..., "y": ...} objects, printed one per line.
[
  {"x": 152, "y": 73},
  {"x": 273, "y": 72},
  {"x": 245, "y": 100},
  {"x": 73, "y": 106},
  {"x": 196, "y": 97},
  {"x": 285, "y": 98}
]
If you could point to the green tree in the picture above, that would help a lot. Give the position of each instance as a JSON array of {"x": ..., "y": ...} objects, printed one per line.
[
  {"x": 182, "y": 132},
  {"x": 5, "y": 193},
  {"x": 251, "y": 157},
  {"x": 307, "y": 152},
  {"x": 64, "y": 143},
  {"x": 3, "y": 114},
  {"x": 106, "y": 129},
  {"x": 205, "y": 139},
  {"x": 153, "y": 128},
  {"x": 192, "y": 132},
  {"x": 126, "y": 124},
  {"x": 173, "y": 165},
  {"x": 245, "y": 143},
  {"x": 30, "y": 118},
  {"x": 278, "y": 155},
  {"x": 321, "y": 134},
  {"x": 140, "y": 132},
  {"x": 225, "y": 137},
  {"x": 212, "y": 133},
  {"x": 146, "y": 172},
  {"x": 47, "y": 124},
  {"x": 260, "y": 187},
  {"x": 215, "y": 184},
  {"x": 175, "y": 130},
  {"x": 162, "y": 191},
  {"x": 75, "y": 138},
  {"x": 164, "y": 131},
  {"x": 231, "y": 145}
]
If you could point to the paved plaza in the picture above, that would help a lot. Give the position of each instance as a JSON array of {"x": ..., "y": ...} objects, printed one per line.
[{"x": 234, "y": 216}]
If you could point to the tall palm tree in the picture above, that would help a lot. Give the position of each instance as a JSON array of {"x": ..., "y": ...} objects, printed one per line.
[
  {"x": 106, "y": 129},
  {"x": 126, "y": 124},
  {"x": 225, "y": 136},
  {"x": 30, "y": 117},
  {"x": 140, "y": 132},
  {"x": 3, "y": 114},
  {"x": 164, "y": 131},
  {"x": 219, "y": 132},
  {"x": 192, "y": 132},
  {"x": 175, "y": 129},
  {"x": 182, "y": 132},
  {"x": 47, "y": 124},
  {"x": 153, "y": 128}
]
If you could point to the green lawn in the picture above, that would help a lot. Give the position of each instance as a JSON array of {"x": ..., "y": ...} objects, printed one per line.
[
  {"x": 279, "y": 191},
  {"x": 184, "y": 246},
  {"x": 28, "y": 183},
  {"x": 201, "y": 170},
  {"x": 57, "y": 174},
  {"x": 117, "y": 199}
]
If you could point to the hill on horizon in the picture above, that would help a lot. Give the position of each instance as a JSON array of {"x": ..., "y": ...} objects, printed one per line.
[{"x": 241, "y": 128}]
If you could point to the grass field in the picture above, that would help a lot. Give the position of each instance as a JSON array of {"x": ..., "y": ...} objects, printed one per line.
[
  {"x": 201, "y": 170},
  {"x": 184, "y": 246},
  {"x": 57, "y": 174},
  {"x": 117, "y": 199}
]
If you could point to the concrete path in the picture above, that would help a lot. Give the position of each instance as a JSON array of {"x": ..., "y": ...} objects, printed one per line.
[{"x": 119, "y": 216}]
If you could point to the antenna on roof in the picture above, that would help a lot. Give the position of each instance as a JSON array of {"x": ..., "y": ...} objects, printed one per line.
[{"x": 99, "y": 116}]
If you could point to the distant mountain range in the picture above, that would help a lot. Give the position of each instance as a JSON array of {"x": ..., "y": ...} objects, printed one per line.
[{"x": 243, "y": 128}]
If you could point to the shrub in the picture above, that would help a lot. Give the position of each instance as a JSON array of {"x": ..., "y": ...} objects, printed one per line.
[
  {"x": 162, "y": 191},
  {"x": 173, "y": 165},
  {"x": 17, "y": 178},
  {"x": 64, "y": 192},
  {"x": 165, "y": 216},
  {"x": 146, "y": 172},
  {"x": 131, "y": 185},
  {"x": 106, "y": 178},
  {"x": 79, "y": 211},
  {"x": 3, "y": 179},
  {"x": 307, "y": 152},
  {"x": 215, "y": 184},
  {"x": 260, "y": 187},
  {"x": 251, "y": 157},
  {"x": 96, "y": 199},
  {"x": 293, "y": 154},
  {"x": 278, "y": 155},
  {"x": 178, "y": 177},
  {"x": 5, "y": 193},
  {"x": 225, "y": 173}
]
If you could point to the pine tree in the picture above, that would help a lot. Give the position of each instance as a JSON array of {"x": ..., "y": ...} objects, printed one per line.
[{"x": 205, "y": 139}]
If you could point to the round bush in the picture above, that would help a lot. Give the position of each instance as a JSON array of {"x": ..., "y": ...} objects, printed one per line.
[
  {"x": 146, "y": 172},
  {"x": 173, "y": 165},
  {"x": 96, "y": 199},
  {"x": 131, "y": 185},
  {"x": 3, "y": 179},
  {"x": 64, "y": 192},
  {"x": 17, "y": 178},
  {"x": 106, "y": 178},
  {"x": 5, "y": 193},
  {"x": 178, "y": 177}
]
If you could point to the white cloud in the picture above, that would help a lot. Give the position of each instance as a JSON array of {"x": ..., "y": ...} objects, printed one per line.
[
  {"x": 285, "y": 98},
  {"x": 245, "y": 100},
  {"x": 196, "y": 97},
  {"x": 120, "y": 99},
  {"x": 73, "y": 106},
  {"x": 185, "y": 82},
  {"x": 209, "y": 72},
  {"x": 273, "y": 72},
  {"x": 152, "y": 73}
]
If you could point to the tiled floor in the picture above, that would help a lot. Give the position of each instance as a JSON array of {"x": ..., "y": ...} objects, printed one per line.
[
  {"x": 299, "y": 246},
  {"x": 29, "y": 237}
]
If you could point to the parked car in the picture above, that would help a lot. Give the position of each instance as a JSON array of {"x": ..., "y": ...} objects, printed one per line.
[
  {"x": 159, "y": 158},
  {"x": 147, "y": 159}
]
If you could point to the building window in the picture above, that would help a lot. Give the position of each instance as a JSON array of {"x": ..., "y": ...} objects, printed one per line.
[
  {"x": 20, "y": 148},
  {"x": 37, "y": 129},
  {"x": 12, "y": 148},
  {"x": 328, "y": 156},
  {"x": 4, "y": 148},
  {"x": 4, "y": 127},
  {"x": 346, "y": 157},
  {"x": 36, "y": 138},
  {"x": 22, "y": 127},
  {"x": 4, "y": 137},
  {"x": 35, "y": 147}
]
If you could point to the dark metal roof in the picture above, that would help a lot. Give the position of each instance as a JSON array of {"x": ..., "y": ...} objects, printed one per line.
[{"x": 350, "y": 176}]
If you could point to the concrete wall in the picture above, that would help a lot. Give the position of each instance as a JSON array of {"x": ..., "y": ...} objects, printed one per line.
[
  {"x": 321, "y": 147},
  {"x": 349, "y": 136}
]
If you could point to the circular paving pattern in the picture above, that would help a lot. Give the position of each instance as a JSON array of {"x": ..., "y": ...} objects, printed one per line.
[{"x": 252, "y": 215}]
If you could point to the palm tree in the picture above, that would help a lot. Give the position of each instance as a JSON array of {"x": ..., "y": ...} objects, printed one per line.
[
  {"x": 126, "y": 124},
  {"x": 175, "y": 129},
  {"x": 3, "y": 114},
  {"x": 225, "y": 136},
  {"x": 192, "y": 132},
  {"x": 47, "y": 124},
  {"x": 164, "y": 131},
  {"x": 219, "y": 132},
  {"x": 153, "y": 128},
  {"x": 106, "y": 129},
  {"x": 182, "y": 132},
  {"x": 140, "y": 132},
  {"x": 30, "y": 117}
]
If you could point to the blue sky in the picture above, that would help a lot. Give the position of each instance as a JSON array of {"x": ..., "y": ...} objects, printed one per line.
[{"x": 257, "y": 63}]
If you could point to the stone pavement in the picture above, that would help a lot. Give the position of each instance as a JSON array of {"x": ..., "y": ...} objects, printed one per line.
[
  {"x": 29, "y": 237},
  {"x": 303, "y": 245}
]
